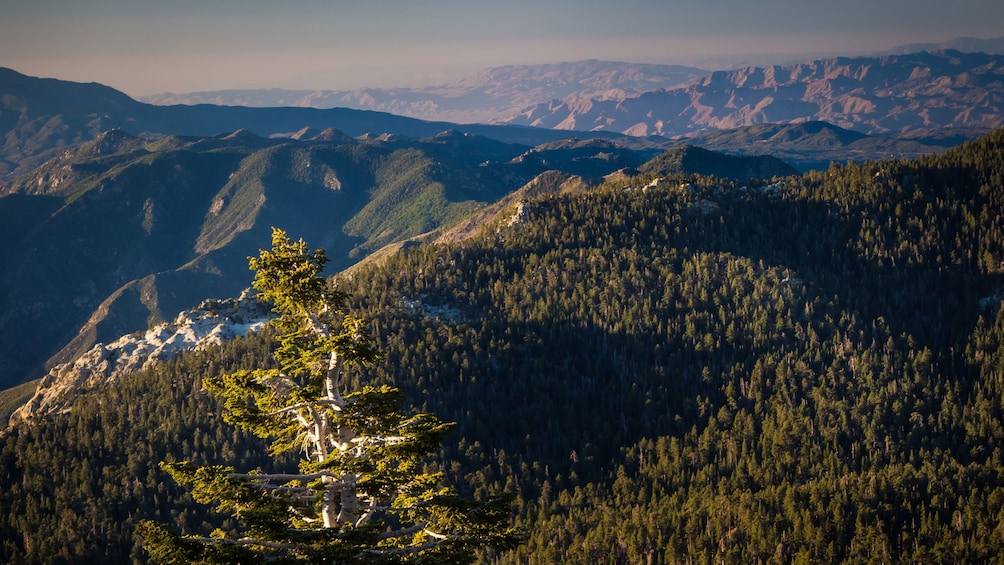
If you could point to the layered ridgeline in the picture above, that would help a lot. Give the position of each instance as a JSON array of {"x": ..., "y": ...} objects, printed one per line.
[
  {"x": 893, "y": 94},
  {"x": 917, "y": 88},
  {"x": 662, "y": 368},
  {"x": 41, "y": 117},
  {"x": 120, "y": 232},
  {"x": 492, "y": 94}
]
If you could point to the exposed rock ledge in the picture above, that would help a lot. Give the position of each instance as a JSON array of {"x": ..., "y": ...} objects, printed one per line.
[{"x": 211, "y": 323}]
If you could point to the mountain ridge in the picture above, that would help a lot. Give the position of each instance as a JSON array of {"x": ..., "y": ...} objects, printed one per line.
[
  {"x": 120, "y": 232},
  {"x": 992, "y": 45},
  {"x": 481, "y": 97},
  {"x": 578, "y": 106},
  {"x": 31, "y": 137},
  {"x": 874, "y": 95},
  {"x": 815, "y": 144},
  {"x": 40, "y": 117}
]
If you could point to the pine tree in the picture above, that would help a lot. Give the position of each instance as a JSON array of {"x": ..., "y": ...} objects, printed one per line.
[{"x": 360, "y": 493}]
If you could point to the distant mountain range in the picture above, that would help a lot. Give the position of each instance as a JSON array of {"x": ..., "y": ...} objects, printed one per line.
[
  {"x": 815, "y": 144},
  {"x": 894, "y": 94},
  {"x": 993, "y": 45},
  {"x": 491, "y": 95},
  {"x": 41, "y": 117},
  {"x": 948, "y": 85}
]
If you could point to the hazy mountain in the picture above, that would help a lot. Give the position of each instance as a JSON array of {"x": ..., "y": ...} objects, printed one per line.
[
  {"x": 40, "y": 117},
  {"x": 493, "y": 94},
  {"x": 993, "y": 46},
  {"x": 875, "y": 95},
  {"x": 893, "y": 93}
]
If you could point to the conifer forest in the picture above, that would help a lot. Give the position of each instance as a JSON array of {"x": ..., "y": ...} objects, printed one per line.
[{"x": 662, "y": 369}]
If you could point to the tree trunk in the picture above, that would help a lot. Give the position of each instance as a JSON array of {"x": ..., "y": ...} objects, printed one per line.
[
  {"x": 349, "y": 500},
  {"x": 329, "y": 507}
]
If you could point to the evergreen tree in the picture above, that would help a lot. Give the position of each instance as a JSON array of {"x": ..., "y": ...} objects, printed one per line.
[{"x": 360, "y": 493}]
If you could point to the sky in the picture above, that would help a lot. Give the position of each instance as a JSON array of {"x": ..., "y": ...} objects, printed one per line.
[{"x": 143, "y": 47}]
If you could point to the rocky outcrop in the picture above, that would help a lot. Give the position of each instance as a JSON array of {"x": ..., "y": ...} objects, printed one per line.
[{"x": 211, "y": 323}]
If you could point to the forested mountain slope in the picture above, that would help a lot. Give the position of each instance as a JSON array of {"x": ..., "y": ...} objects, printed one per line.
[
  {"x": 808, "y": 371},
  {"x": 121, "y": 232},
  {"x": 118, "y": 233}
]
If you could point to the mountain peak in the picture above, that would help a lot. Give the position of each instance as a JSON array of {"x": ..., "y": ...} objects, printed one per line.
[
  {"x": 111, "y": 141},
  {"x": 689, "y": 159}
]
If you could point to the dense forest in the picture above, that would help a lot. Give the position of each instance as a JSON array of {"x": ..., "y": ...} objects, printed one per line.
[{"x": 661, "y": 369}]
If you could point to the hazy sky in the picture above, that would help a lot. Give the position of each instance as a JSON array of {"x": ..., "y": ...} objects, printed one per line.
[{"x": 149, "y": 46}]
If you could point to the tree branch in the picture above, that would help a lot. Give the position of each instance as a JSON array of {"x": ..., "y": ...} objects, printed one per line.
[
  {"x": 414, "y": 530},
  {"x": 398, "y": 550},
  {"x": 433, "y": 534},
  {"x": 315, "y": 324},
  {"x": 331, "y": 403},
  {"x": 403, "y": 532},
  {"x": 282, "y": 476},
  {"x": 244, "y": 542},
  {"x": 370, "y": 509}
]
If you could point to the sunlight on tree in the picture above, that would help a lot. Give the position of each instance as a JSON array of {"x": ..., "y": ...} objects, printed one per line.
[{"x": 360, "y": 493}]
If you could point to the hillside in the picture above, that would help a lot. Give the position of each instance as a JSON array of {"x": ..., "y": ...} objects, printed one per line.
[
  {"x": 658, "y": 371},
  {"x": 891, "y": 94},
  {"x": 121, "y": 232}
]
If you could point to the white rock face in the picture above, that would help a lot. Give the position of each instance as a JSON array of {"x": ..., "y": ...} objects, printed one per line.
[
  {"x": 519, "y": 217},
  {"x": 211, "y": 323}
]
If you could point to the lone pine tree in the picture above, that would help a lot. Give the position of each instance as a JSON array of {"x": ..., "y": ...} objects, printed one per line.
[{"x": 360, "y": 494}]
